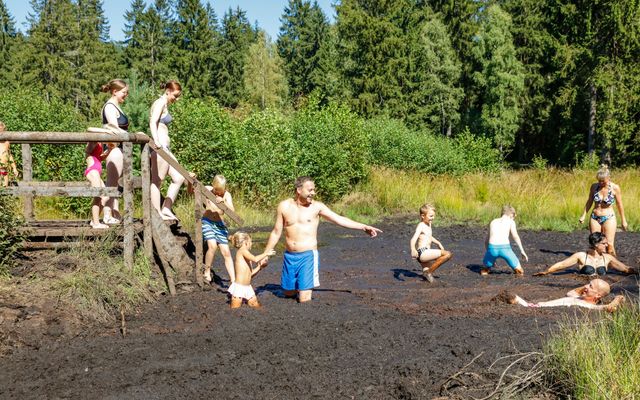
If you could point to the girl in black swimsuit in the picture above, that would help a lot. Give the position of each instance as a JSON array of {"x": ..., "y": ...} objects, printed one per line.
[{"x": 113, "y": 115}]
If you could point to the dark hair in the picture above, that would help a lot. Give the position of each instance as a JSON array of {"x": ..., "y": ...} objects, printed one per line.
[
  {"x": 595, "y": 238},
  {"x": 301, "y": 181},
  {"x": 171, "y": 85},
  {"x": 114, "y": 84}
]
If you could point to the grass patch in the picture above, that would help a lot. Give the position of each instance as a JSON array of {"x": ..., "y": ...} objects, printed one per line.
[
  {"x": 100, "y": 285},
  {"x": 598, "y": 360},
  {"x": 548, "y": 199}
]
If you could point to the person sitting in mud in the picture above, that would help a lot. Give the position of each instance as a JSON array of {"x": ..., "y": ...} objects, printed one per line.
[
  {"x": 241, "y": 288},
  {"x": 587, "y": 296},
  {"x": 6, "y": 161},
  {"x": 430, "y": 259},
  {"x": 497, "y": 242},
  {"x": 299, "y": 218},
  {"x": 595, "y": 261}
]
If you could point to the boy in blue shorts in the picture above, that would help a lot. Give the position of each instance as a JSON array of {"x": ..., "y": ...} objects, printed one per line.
[{"x": 498, "y": 245}]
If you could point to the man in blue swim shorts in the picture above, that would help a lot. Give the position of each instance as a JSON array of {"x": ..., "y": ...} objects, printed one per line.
[
  {"x": 299, "y": 219},
  {"x": 498, "y": 245}
]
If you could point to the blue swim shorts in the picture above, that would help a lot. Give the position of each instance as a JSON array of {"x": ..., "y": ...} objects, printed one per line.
[
  {"x": 300, "y": 270},
  {"x": 504, "y": 251},
  {"x": 215, "y": 230}
]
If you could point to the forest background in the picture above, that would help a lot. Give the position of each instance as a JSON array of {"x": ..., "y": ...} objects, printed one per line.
[{"x": 430, "y": 86}]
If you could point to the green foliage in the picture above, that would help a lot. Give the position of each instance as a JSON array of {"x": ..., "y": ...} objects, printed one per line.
[
  {"x": 264, "y": 77},
  {"x": 10, "y": 236},
  {"x": 397, "y": 146},
  {"x": 500, "y": 79},
  {"x": 539, "y": 163},
  {"x": 597, "y": 360}
]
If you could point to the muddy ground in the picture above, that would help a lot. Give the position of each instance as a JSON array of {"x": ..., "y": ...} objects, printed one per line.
[{"x": 374, "y": 330}]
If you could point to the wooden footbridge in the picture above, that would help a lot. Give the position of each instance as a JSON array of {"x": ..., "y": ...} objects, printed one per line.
[{"x": 178, "y": 256}]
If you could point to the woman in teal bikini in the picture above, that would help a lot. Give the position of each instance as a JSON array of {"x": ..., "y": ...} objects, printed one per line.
[{"x": 602, "y": 195}]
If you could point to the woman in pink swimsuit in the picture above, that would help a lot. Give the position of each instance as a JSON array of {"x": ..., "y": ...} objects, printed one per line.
[{"x": 95, "y": 155}]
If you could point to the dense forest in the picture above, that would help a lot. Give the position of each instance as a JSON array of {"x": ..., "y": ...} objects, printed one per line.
[{"x": 551, "y": 79}]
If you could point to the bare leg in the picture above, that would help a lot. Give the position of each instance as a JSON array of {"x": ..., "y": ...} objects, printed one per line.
[
  {"x": 159, "y": 170},
  {"x": 304, "y": 295},
  {"x": 114, "y": 171},
  {"x": 228, "y": 261},
  {"x": 290, "y": 293},
  {"x": 98, "y": 202},
  {"x": 253, "y": 302},
  {"x": 446, "y": 256},
  {"x": 427, "y": 259},
  {"x": 212, "y": 246},
  {"x": 235, "y": 302},
  {"x": 609, "y": 231},
  {"x": 172, "y": 193}
]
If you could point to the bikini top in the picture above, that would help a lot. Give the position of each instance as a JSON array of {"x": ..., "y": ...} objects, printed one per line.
[
  {"x": 608, "y": 200},
  {"x": 591, "y": 270},
  {"x": 123, "y": 121},
  {"x": 166, "y": 119}
]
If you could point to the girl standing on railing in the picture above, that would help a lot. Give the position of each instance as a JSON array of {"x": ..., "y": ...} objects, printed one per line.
[
  {"x": 159, "y": 121},
  {"x": 112, "y": 115}
]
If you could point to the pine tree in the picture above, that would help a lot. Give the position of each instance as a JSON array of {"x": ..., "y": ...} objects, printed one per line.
[
  {"x": 303, "y": 45},
  {"x": 437, "y": 98},
  {"x": 237, "y": 36},
  {"x": 263, "y": 74},
  {"x": 8, "y": 40},
  {"x": 500, "y": 80},
  {"x": 194, "y": 45}
]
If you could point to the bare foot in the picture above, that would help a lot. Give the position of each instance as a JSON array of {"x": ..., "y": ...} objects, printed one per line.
[
  {"x": 484, "y": 271},
  {"x": 99, "y": 225}
]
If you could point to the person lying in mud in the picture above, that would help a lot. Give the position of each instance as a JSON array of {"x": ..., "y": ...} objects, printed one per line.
[
  {"x": 497, "y": 242},
  {"x": 430, "y": 259},
  {"x": 593, "y": 262},
  {"x": 299, "y": 218},
  {"x": 587, "y": 296},
  {"x": 241, "y": 288}
]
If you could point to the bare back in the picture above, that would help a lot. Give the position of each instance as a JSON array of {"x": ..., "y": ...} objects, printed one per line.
[
  {"x": 4, "y": 154},
  {"x": 499, "y": 230}
]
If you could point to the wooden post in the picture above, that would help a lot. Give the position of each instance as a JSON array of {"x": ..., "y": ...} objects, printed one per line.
[
  {"x": 145, "y": 166},
  {"x": 129, "y": 229},
  {"x": 27, "y": 176},
  {"x": 197, "y": 238}
]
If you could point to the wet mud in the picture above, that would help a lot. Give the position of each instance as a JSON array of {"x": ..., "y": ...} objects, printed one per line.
[{"x": 375, "y": 329}]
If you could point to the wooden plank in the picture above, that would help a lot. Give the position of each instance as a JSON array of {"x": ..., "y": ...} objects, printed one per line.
[
  {"x": 129, "y": 232},
  {"x": 197, "y": 238},
  {"x": 137, "y": 183},
  {"x": 196, "y": 184},
  {"x": 66, "y": 191},
  {"x": 27, "y": 176},
  {"x": 73, "y": 137},
  {"x": 145, "y": 166},
  {"x": 70, "y": 229}
]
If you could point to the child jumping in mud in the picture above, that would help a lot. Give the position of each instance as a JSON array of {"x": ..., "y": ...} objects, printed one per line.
[
  {"x": 429, "y": 259},
  {"x": 498, "y": 245},
  {"x": 587, "y": 296},
  {"x": 215, "y": 231},
  {"x": 6, "y": 161},
  {"x": 241, "y": 288}
]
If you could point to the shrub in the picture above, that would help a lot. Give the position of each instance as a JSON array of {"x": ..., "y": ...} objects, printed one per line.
[
  {"x": 10, "y": 236},
  {"x": 395, "y": 145}
]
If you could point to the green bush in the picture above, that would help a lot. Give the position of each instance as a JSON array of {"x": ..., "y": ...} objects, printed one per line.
[
  {"x": 395, "y": 145},
  {"x": 10, "y": 236}
]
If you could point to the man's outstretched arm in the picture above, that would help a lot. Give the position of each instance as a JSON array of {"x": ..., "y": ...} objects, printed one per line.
[{"x": 345, "y": 222}]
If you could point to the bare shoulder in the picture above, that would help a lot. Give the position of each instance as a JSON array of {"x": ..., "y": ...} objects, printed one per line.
[{"x": 615, "y": 187}]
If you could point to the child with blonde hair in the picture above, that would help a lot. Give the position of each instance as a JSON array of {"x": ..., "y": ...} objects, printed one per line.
[
  {"x": 430, "y": 259},
  {"x": 241, "y": 288},
  {"x": 215, "y": 231}
]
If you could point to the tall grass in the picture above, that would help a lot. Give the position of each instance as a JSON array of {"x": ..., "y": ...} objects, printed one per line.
[
  {"x": 548, "y": 199},
  {"x": 598, "y": 360},
  {"x": 100, "y": 285}
]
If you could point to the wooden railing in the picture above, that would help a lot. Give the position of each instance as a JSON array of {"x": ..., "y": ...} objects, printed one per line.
[{"x": 28, "y": 188}]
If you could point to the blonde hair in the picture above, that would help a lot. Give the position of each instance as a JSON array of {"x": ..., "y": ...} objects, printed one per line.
[
  {"x": 219, "y": 182},
  {"x": 426, "y": 207},
  {"x": 508, "y": 210},
  {"x": 2, "y": 126},
  {"x": 603, "y": 172},
  {"x": 114, "y": 84},
  {"x": 239, "y": 238}
]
